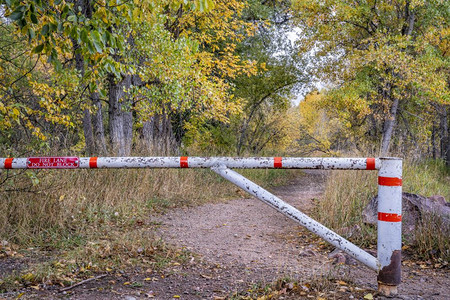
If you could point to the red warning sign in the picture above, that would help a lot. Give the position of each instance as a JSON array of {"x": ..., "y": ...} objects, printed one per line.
[{"x": 53, "y": 162}]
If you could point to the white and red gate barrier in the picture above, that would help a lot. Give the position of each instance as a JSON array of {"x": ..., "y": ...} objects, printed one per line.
[{"x": 388, "y": 262}]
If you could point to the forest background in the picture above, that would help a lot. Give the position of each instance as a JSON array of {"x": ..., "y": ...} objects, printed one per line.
[{"x": 207, "y": 77}]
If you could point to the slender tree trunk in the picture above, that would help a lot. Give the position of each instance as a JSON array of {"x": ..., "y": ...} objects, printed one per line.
[
  {"x": 99, "y": 131},
  {"x": 170, "y": 138},
  {"x": 88, "y": 132},
  {"x": 148, "y": 134},
  {"x": 157, "y": 133},
  {"x": 86, "y": 9},
  {"x": 87, "y": 119},
  {"x": 445, "y": 134},
  {"x": 388, "y": 128},
  {"x": 128, "y": 131},
  {"x": 115, "y": 117},
  {"x": 164, "y": 137},
  {"x": 443, "y": 130},
  {"x": 433, "y": 142},
  {"x": 242, "y": 138},
  {"x": 447, "y": 158}
]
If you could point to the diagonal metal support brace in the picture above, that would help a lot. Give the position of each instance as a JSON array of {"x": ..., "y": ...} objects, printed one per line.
[{"x": 296, "y": 215}]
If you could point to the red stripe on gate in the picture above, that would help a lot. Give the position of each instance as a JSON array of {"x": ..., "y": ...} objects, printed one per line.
[
  {"x": 277, "y": 162},
  {"x": 389, "y": 181},
  {"x": 8, "y": 162},
  {"x": 93, "y": 162},
  {"x": 184, "y": 162},
  {"x": 389, "y": 217},
  {"x": 370, "y": 163}
]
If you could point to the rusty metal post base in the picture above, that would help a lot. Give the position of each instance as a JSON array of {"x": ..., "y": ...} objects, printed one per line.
[{"x": 387, "y": 290}]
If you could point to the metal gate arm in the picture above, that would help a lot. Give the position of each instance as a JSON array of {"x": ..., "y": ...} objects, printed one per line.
[{"x": 296, "y": 215}]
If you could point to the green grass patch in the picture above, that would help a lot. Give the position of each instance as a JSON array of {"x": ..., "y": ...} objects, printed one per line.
[{"x": 427, "y": 178}]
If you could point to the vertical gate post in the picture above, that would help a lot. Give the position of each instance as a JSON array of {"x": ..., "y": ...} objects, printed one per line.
[{"x": 389, "y": 225}]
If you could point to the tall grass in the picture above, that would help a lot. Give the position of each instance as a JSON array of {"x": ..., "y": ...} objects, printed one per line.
[
  {"x": 427, "y": 178},
  {"x": 348, "y": 192},
  {"x": 70, "y": 200},
  {"x": 103, "y": 217}
]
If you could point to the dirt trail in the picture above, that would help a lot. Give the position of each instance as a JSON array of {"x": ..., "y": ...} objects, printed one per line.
[
  {"x": 244, "y": 242},
  {"x": 247, "y": 232}
]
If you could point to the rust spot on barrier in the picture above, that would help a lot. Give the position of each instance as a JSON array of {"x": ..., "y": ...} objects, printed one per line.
[{"x": 391, "y": 274}]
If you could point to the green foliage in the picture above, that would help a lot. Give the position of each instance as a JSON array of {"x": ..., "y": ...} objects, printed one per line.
[
  {"x": 30, "y": 101},
  {"x": 376, "y": 53},
  {"x": 265, "y": 123},
  {"x": 180, "y": 55}
]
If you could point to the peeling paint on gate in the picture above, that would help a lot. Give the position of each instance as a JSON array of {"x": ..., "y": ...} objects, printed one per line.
[{"x": 324, "y": 163}]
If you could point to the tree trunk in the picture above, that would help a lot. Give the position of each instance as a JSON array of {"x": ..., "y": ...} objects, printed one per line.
[
  {"x": 80, "y": 67},
  {"x": 171, "y": 147},
  {"x": 445, "y": 139},
  {"x": 433, "y": 142},
  {"x": 99, "y": 131},
  {"x": 447, "y": 158},
  {"x": 88, "y": 132},
  {"x": 148, "y": 134},
  {"x": 444, "y": 132},
  {"x": 128, "y": 131},
  {"x": 242, "y": 137},
  {"x": 157, "y": 133},
  {"x": 128, "y": 113},
  {"x": 164, "y": 137},
  {"x": 115, "y": 117},
  {"x": 388, "y": 128}
]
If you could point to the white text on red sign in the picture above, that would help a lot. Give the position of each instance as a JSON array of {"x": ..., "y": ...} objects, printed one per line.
[{"x": 52, "y": 162}]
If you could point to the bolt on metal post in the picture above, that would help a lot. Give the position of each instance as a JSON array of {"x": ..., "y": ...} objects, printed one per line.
[{"x": 389, "y": 225}]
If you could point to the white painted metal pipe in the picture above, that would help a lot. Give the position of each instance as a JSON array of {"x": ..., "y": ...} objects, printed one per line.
[
  {"x": 389, "y": 224},
  {"x": 191, "y": 162},
  {"x": 296, "y": 215}
]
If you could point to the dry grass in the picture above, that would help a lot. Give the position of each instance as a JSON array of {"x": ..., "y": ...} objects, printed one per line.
[
  {"x": 432, "y": 234},
  {"x": 433, "y": 238},
  {"x": 97, "y": 220},
  {"x": 427, "y": 178},
  {"x": 73, "y": 200},
  {"x": 67, "y": 200},
  {"x": 346, "y": 194}
]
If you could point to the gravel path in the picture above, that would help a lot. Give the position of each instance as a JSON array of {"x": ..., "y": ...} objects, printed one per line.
[{"x": 247, "y": 232}]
